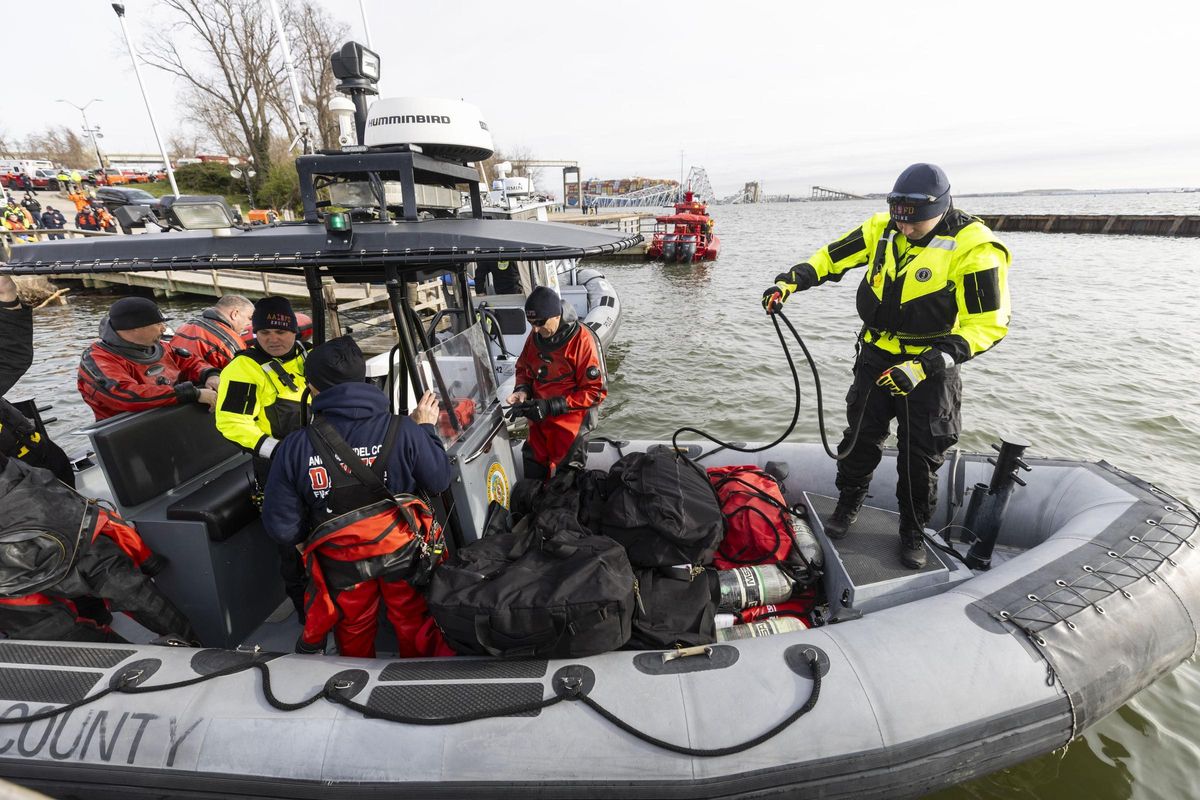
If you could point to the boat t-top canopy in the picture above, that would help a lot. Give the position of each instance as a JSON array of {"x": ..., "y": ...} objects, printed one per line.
[{"x": 361, "y": 253}]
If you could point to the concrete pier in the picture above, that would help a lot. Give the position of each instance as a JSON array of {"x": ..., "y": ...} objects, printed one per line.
[{"x": 1136, "y": 224}]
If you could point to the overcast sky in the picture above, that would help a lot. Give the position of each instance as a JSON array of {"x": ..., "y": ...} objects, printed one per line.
[{"x": 1005, "y": 96}]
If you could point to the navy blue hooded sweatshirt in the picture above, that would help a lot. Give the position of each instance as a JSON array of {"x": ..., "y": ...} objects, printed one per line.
[{"x": 359, "y": 412}]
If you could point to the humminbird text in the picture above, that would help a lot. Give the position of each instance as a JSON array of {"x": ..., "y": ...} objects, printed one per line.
[{"x": 410, "y": 118}]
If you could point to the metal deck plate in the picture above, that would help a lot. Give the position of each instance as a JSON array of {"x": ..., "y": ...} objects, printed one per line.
[
  {"x": 871, "y": 550},
  {"x": 863, "y": 570}
]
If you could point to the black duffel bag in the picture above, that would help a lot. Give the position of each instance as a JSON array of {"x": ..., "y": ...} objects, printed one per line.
[
  {"x": 673, "y": 608},
  {"x": 663, "y": 510},
  {"x": 542, "y": 590}
]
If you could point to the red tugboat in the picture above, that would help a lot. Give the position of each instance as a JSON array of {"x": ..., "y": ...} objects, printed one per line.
[{"x": 686, "y": 235}]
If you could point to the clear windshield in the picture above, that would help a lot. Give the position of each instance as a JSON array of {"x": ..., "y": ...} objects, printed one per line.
[{"x": 459, "y": 372}]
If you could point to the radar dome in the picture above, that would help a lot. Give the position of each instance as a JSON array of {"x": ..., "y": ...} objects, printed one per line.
[{"x": 443, "y": 128}]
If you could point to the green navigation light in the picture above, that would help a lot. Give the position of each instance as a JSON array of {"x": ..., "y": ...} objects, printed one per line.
[{"x": 338, "y": 222}]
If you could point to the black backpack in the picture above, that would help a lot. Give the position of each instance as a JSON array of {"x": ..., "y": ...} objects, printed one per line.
[
  {"x": 543, "y": 590},
  {"x": 673, "y": 607},
  {"x": 662, "y": 509}
]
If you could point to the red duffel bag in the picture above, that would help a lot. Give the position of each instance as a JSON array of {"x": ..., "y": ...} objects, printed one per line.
[{"x": 758, "y": 527}]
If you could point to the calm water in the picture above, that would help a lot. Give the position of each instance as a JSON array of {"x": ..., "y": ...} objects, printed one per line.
[{"x": 1098, "y": 364}]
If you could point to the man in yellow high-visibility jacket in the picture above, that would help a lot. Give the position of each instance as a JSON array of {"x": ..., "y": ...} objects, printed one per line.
[
  {"x": 258, "y": 404},
  {"x": 935, "y": 294}
]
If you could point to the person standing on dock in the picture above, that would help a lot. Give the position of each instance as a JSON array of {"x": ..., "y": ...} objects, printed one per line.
[
  {"x": 53, "y": 220},
  {"x": 258, "y": 404},
  {"x": 935, "y": 294},
  {"x": 560, "y": 384},
  {"x": 216, "y": 335}
]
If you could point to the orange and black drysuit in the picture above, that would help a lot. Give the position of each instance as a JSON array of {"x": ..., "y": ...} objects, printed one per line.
[
  {"x": 359, "y": 545},
  {"x": 58, "y": 549},
  {"x": 567, "y": 371},
  {"x": 211, "y": 337},
  {"x": 116, "y": 375}
]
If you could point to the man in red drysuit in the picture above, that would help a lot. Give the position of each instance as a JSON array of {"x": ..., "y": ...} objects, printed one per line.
[
  {"x": 560, "y": 383},
  {"x": 129, "y": 369}
]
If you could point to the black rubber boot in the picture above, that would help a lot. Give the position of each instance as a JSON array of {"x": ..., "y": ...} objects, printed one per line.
[
  {"x": 849, "y": 503},
  {"x": 912, "y": 547}
]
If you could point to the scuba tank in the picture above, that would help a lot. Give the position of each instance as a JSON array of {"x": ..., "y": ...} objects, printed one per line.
[
  {"x": 752, "y": 586},
  {"x": 805, "y": 540},
  {"x": 763, "y": 627}
]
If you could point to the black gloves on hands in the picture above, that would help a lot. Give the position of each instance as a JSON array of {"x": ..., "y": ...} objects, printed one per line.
[
  {"x": 305, "y": 649},
  {"x": 537, "y": 410},
  {"x": 773, "y": 298}
]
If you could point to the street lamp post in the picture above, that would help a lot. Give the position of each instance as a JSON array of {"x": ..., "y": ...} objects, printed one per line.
[
  {"x": 246, "y": 173},
  {"x": 94, "y": 133}
]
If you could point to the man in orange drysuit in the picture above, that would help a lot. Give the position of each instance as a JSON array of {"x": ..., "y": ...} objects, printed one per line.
[{"x": 560, "y": 383}]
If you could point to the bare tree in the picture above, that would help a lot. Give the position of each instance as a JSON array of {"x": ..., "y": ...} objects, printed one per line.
[
  {"x": 186, "y": 144},
  {"x": 8, "y": 146},
  {"x": 59, "y": 144},
  {"x": 315, "y": 37},
  {"x": 238, "y": 72}
]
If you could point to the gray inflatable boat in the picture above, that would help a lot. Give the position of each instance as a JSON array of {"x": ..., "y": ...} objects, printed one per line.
[
  {"x": 918, "y": 680},
  {"x": 931, "y": 678}
]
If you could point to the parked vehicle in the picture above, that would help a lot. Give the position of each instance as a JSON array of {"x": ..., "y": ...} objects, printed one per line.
[
  {"x": 113, "y": 197},
  {"x": 111, "y": 178},
  {"x": 45, "y": 179}
]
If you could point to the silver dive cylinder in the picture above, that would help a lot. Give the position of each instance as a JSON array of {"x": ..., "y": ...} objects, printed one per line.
[
  {"x": 746, "y": 587},
  {"x": 804, "y": 539},
  {"x": 762, "y": 627}
]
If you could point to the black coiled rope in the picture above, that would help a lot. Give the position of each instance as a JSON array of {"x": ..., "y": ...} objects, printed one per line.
[{"x": 333, "y": 688}]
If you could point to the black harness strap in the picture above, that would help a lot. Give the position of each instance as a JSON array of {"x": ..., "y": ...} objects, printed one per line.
[{"x": 333, "y": 449}]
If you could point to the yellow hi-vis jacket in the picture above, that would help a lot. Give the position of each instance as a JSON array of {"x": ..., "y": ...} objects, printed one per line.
[
  {"x": 950, "y": 294},
  {"x": 258, "y": 401}
]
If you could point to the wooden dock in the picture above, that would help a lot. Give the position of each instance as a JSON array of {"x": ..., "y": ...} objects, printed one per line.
[
  {"x": 621, "y": 221},
  {"x": 1136, "y": 224}
]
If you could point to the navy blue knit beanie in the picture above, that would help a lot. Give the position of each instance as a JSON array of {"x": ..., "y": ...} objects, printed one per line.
[
  {"x": 921, "y": 192},
  {"x": 543, "y": 303}
]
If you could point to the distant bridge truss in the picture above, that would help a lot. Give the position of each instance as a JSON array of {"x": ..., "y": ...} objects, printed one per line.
[
  {"x": 824, "y": 193},
  {"x": 661, "y": 194},
  {"x": 750, "y": 193}
]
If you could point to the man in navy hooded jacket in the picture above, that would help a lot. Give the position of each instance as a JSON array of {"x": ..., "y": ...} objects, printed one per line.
[{"x": 298, "y": 494}]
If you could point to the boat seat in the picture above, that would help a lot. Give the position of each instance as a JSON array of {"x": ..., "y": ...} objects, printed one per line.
[
  {"x": 224, "y": 504},
  {"x": 148, "y": 453},
  {"x": 512, "y": 320}
]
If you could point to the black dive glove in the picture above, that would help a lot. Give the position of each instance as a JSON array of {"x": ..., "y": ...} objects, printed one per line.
[
  {"x": 537, "y": 410},
  {"x": 773, "y": 298},
  {"x": 303, "y": 648}
]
